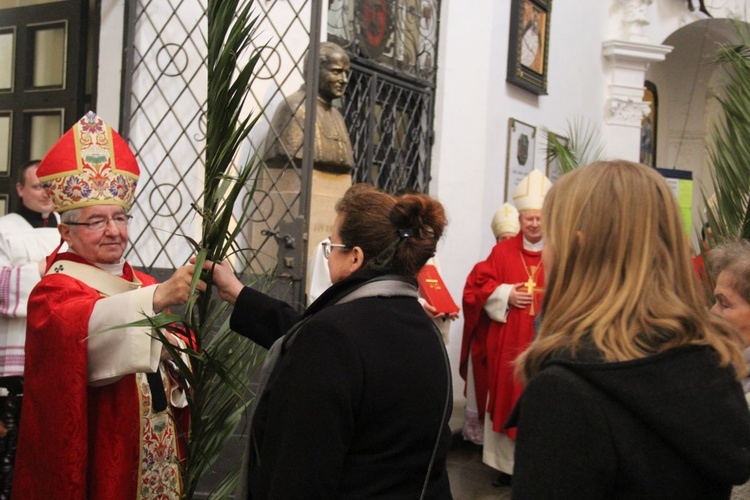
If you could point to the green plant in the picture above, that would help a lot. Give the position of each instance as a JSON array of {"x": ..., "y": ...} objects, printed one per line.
[
  {"x": 729, "y": 152},
  {"x": 584, "y": 145},
  {"x": 221, "y": 362}
]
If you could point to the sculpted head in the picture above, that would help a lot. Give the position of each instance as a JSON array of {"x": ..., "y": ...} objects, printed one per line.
[{"x": 334, "y": 71}]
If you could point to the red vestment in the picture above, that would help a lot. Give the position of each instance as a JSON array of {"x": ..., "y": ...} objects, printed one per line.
[
  {"x": 508, "y": 263},
  {"x": 474, "y": 340},
  {"x": 76, "y": 440}
]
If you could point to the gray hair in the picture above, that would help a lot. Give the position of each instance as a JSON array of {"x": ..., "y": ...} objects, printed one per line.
[
  {"x": 734, "y": 259},
  {"x": 70, "y": 215}
]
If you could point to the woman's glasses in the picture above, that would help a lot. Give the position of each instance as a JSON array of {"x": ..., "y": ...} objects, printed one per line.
[{"x": 328, "y": 246}]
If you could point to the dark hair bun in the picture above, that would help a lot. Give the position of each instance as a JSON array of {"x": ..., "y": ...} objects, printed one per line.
[
  {"x": 423, "y": 219},
  {"x": 396, "y": 234}
]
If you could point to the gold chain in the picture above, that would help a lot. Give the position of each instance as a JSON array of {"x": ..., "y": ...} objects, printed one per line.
[{"x": 526, "y": 268}]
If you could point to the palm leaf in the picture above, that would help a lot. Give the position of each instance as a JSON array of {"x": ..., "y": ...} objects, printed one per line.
[
  {"x": 220, "y": 363},
  {"x": 728, "y": 214},
  {"x": 584, "y": 145},
  {"x": 225, "y": 361}
]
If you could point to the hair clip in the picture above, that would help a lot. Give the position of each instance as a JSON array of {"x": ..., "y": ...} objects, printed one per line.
[{"x": 405, "y": 233}]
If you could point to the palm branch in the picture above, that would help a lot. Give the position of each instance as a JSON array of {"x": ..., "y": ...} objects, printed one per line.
[
  {"x": 221, "y": 362},
  {"x": 727, "y": 211},
  {"x": 583, "y": 146}
]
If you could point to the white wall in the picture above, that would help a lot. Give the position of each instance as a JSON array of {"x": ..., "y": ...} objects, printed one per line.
[{"x": 109, "y": 67}]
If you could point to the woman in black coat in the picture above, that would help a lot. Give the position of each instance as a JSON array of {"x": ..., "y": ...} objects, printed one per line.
[
  {"x": 632, "y": 386},
  {"x": 358, "y": 401}
]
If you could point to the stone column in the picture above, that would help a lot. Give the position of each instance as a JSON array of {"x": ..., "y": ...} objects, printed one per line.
[{"x": 628, "y": 58}]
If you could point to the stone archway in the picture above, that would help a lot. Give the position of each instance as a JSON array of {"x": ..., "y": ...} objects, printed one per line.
[{"x": 686, "y": 81}]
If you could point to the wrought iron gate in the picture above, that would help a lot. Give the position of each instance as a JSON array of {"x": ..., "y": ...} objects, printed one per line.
[
  {"x": 390, "y": 123},
  {"x": 163, "y": 120},
  {"x": 388, "y": 108}
]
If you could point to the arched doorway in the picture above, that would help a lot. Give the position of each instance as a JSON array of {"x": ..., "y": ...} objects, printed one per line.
[{"x": 686, "y": 82}]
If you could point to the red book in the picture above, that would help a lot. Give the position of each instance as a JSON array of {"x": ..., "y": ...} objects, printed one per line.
[{"x": 433, "y": 289}]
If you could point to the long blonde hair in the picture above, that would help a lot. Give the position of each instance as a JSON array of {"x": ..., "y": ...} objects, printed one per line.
[{"x": 618, "y": 271}]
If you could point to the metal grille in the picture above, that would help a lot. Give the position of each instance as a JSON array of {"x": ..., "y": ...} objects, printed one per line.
[
  {"x": 390, "y": 125},
  {"x": 390, "y": 96},
  {"x": 387, "y": 107},
  {"x": 163, "y": 123}
]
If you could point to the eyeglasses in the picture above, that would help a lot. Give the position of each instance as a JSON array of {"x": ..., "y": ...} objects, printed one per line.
[
  {"x": 99, "y": 224},
  {"x": 328, "y": 246}
]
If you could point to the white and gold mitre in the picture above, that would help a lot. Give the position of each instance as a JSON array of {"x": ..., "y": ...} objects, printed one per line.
[
  {"x": 530, "y": 192},
  {"x": 505, "y": 220}
]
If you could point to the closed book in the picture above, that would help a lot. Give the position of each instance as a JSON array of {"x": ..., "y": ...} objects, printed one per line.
[{"x": 434, "y": 291}]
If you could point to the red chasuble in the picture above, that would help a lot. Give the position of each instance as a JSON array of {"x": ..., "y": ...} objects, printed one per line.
[
  {"x": 508, "y": 263},
  {"x": 474, "y": 340},
  {"x": 77, "y": 441}
]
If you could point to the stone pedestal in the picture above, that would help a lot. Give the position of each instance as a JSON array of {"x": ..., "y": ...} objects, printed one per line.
[{"x": 327, "y": 189}]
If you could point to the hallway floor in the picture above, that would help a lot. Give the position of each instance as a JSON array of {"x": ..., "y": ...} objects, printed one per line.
[{"x": 470, "y": 478}]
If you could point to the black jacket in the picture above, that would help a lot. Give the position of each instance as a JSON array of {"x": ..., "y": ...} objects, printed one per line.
[
  {"x": 670, "y": 426},
  {"x": 355, "y": 404}
]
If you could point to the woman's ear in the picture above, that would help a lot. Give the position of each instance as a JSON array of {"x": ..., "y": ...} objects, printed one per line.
[{"x": 356, "y": 259}]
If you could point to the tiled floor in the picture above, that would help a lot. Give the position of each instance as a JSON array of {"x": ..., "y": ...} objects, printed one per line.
[{"x": 470, "y": 478}]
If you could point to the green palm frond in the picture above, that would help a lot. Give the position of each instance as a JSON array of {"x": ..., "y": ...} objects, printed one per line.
[
  {"x": 584, "y": 145},
  {"x": 223, "y": 362},
  {"x": 220, "y": 363},
  {"x": 727, "y": 211}
]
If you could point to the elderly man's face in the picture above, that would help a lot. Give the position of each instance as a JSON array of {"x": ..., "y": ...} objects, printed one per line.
[
  {"x": 102, "y": 246},
  {"x": 531, "y": 224},
  {"x": 333, "y": 76}
]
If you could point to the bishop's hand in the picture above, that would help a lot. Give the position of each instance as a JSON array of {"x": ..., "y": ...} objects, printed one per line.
[{"x": 519, "y": 297}]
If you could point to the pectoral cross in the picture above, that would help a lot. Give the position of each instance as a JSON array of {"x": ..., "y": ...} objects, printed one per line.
[
  {"x": 530, "y": 285},
  {"x": 532, "y": 288}
]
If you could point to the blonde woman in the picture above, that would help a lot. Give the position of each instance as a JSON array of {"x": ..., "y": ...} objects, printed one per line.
[{"x": 632, "y": 386}]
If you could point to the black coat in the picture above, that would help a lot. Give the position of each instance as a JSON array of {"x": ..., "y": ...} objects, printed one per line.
[
  {"x": 670, "y": 426},
  {"x": 354, "y": 407}
]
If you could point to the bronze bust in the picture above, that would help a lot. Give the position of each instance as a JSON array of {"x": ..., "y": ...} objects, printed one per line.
[{"x": 333, "y": 148}]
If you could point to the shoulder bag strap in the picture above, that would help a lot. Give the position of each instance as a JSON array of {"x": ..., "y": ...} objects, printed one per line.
[{"x": 446, "y": 409}]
